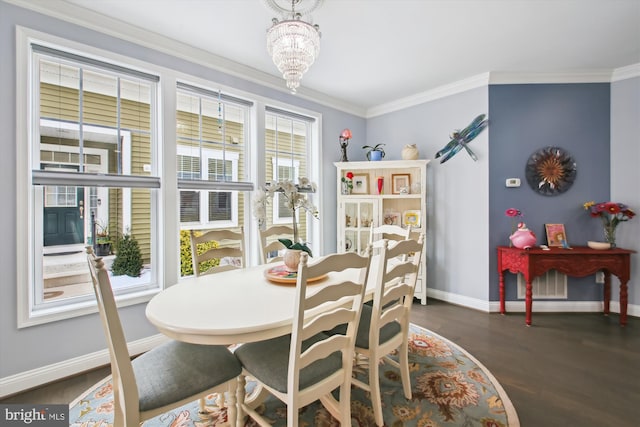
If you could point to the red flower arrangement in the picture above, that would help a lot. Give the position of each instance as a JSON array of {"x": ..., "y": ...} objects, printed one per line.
[
  {"x": 347, "y": 183},
  {"x": 611, "y": 214}
]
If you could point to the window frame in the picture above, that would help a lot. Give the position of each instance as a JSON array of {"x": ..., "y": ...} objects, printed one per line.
[{"x": 29, "y": 180}]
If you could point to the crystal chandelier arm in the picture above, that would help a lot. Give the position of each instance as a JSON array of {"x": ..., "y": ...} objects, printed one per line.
[{"x": 284, "y": 7}]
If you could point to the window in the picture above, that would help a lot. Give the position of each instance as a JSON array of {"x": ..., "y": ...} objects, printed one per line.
[
  {"x": 211, "y": 129},
  {"x": 287, "y": 144},
  {"x": 207, "y": 208},
  {"x": 90, "y": 167}
]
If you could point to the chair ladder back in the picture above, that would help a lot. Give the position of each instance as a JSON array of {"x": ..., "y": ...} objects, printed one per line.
[
  {"x": 226, "y": 243},
  {"x": 269, "y": 241},
  {"x": 125, "y": 389},
  {"x": 350, "y": 293}
]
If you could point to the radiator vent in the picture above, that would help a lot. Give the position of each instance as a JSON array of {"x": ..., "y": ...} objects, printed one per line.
[{"x": 551, "y": 285}]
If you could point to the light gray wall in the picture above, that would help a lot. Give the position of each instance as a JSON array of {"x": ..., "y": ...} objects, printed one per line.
[
  {"x": 457, "y": 191},
  {"x": 625, "y": 171},
  {"x": 60, "y": 341}
]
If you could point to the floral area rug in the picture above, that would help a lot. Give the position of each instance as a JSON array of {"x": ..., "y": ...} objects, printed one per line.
[{"x": 449, "y": 388}]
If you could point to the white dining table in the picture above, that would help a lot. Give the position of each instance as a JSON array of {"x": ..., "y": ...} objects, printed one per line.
[{"x": 232, "y": 307}]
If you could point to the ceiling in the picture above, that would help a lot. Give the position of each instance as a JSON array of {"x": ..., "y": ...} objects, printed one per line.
[{"x": 374, "y": 52}]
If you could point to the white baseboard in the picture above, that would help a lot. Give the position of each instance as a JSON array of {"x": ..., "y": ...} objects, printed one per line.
[
  {"x": 37, "y": 377},
  {"x": 538, "y": 306},
  {"x": 458, "y": 299}
]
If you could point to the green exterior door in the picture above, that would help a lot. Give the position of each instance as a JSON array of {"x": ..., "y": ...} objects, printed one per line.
[{"x": 63, "y": 215}]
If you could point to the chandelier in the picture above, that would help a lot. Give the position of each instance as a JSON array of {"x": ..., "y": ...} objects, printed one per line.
[{"x": 293, "y": 43}]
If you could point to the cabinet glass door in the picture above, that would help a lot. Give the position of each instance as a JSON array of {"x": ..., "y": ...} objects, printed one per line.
[{"x": 359, "y": 215}]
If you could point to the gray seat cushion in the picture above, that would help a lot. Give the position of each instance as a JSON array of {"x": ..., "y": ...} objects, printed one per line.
[
  {"x": 268, "y": 362},
  {"x": 389, "y": 330},
  {"x": 177, "y": 370}
]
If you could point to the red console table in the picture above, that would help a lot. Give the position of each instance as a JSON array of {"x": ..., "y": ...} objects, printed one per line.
[{"x": 578, "y": 262}]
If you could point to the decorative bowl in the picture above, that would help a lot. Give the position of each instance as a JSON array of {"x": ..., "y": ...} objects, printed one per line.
[{"x": 598, "y": 245}]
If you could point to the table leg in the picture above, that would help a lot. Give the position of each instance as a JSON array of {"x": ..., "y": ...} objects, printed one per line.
[
  {"x": 528, "y": 302},
  {"x": 502, "y": 308},
  {"x": 607, "y": 291},
  {"x": 623, "y": 303}
]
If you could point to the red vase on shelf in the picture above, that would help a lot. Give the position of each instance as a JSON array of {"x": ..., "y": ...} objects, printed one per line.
[{"x": 380, "y": 184}]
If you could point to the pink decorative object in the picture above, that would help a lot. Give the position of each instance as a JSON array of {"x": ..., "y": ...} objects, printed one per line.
[
  {"x": 380, "y": 184},
  {"x": 523, "y": 238},
  {"x": 291, "y": 259},
  {"x": 346, "y": 134}
]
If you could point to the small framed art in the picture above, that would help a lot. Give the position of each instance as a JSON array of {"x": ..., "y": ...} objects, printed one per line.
[
  {"x": 411, "y": 218},
  {"x": 392, "y": 218},
  {"x": 360, "y": 184},
  {"x": 400, "y": 181},
  {"x": 556, "y": 236}
]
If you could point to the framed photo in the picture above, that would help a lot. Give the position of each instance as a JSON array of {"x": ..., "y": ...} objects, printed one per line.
[
  {"x": 391, "y": 218},
  {"x": 360, "y": 184},
  {"x": 411, "y": 218},
  {"x": 556, "y": 236},
  {"x": 400, "y": 181}
]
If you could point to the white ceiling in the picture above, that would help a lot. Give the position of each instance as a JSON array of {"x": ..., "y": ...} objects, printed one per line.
[{"x": 374, "y": 52}]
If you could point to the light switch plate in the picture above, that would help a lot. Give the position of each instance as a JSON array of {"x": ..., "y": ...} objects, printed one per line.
[{"x": 513, "y": 182}]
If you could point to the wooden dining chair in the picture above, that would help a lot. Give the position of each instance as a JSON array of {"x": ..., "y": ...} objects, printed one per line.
[
  {"x": 390, "y": 232},
  {"x": 269, "y": 242},
  {"x": 308, "y": 364},
  {"x": 164, "y": 378},
  {"x": 384, "y": 326},
  {"x": 217, "y": 244}
]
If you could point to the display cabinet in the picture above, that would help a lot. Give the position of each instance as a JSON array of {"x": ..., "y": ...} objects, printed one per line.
[{"x": 381, "y": 192}]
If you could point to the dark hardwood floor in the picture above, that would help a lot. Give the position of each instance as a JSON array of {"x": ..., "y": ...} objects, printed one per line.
[{"x": 566, "y": 370}]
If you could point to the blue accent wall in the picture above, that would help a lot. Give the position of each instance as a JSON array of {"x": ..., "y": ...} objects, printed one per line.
[{"x": 525, "y": 118}]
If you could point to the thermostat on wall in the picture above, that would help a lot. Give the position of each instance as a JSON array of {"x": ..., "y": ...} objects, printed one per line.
[{"x": 513, "y": 182}]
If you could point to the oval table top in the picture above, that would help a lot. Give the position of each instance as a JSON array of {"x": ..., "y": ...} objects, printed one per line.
[{"x": 231, "y": 307}]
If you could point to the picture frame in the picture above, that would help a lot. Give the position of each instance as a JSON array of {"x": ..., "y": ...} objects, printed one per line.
[
  {"x": 391, "y": 218},
  {"x": 399, "y": 181},
  {"x": 360, "y": 184},
  {"x": 412, "y": 218},
  {"x": 556, "y": 235}
]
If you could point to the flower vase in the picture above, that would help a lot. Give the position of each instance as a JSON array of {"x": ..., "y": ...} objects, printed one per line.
[
  {"x": 291, "y": 258},
  {"x": 346, "y": 187},
  {"x": 380, "y": 184},
  {"x": 610, "y": 235}
]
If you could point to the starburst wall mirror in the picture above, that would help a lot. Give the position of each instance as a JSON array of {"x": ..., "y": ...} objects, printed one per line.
[{"x": 550, "y": 171}]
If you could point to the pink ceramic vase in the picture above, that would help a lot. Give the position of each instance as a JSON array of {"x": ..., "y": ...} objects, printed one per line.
[{"x": 523, "y": 238}]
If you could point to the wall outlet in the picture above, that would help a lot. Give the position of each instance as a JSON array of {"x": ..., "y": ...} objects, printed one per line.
[
  {"x": 513, "y": 182},
  {"x": 599, "y": 277}
]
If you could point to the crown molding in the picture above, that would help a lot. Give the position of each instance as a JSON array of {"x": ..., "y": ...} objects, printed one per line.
[
  {"x": 627, "y": 72},
  {"x": 464, "y": 85},
  {"x": 587, "y": 76},
  {"x": 86, "y": 18}
]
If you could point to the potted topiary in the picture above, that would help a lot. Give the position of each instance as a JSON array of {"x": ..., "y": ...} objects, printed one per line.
[
  {"x": 374, "y": 153},
  {"x": 103, "y": 240}
]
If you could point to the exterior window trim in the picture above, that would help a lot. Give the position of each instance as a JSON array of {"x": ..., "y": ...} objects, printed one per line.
[
  {"x": 275, "y": 164},
  {"x": 206, "y": 154}
]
